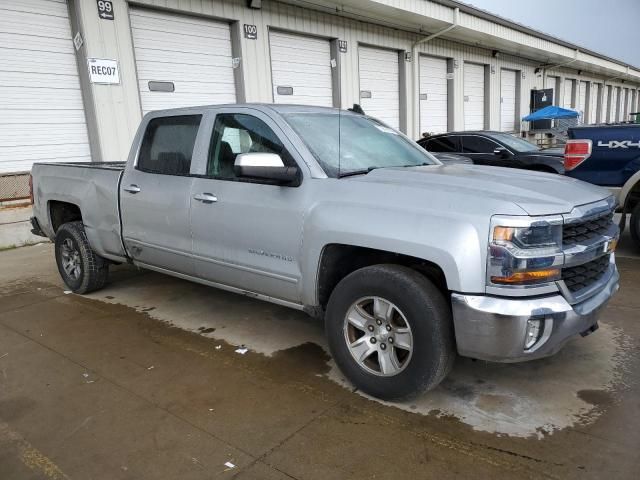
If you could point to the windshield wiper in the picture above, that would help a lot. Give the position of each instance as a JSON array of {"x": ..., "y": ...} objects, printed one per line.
[
  {"x": 350, "y": 173},
  {"x": 423, "y": 164}
]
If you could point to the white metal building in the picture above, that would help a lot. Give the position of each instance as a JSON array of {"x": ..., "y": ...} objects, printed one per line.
[
  {"x": 418, "y": 65},
  {"x": 43, "y": 116}
]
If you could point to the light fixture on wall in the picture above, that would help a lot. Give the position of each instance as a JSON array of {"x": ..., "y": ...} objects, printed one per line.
[
  {"x": 257, "y": 4},
  {"x": 537, "y": 70},
  {"x": 579, "y": 72},
  {"x": 495, "y": 53}
]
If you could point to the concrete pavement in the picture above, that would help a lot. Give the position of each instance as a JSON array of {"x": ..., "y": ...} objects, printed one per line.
[{"x": 141, "y": 380}]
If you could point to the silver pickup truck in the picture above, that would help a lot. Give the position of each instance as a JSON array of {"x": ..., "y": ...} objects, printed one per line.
[{"x": 407, "y": 261}]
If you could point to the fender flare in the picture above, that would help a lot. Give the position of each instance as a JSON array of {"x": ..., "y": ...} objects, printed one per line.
[{"x": 626, "y": 188}]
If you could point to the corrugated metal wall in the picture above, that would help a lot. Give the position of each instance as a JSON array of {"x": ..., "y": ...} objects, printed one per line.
[{"x": 118, "y": 108}]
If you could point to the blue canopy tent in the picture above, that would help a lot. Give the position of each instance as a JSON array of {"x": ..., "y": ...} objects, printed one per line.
[{"x": 551, "y": 113}]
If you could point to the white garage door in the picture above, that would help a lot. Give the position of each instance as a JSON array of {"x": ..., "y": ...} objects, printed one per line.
[
  {"x": 605, "y": 104},
  {"x": 582, "y": 101},
  {"x": 568, "y": 93},
  {"x": 189, "y": 55},
  {"x": 300, "y": 69},
  {"x": 619, "y": 103},
  {"x": 433, "y": 95},
  {"x": 41, "y": 110},
  {"x": 593, "y": 102},
  {"x": 473, "y": 96},
  {"x": 508, "y": 101},
  {"x": 380, "y": 84},
  {"x": 614, "y": 105}
]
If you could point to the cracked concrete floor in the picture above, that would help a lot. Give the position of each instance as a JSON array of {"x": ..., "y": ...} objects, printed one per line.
[{"x": 141, "y": 380}]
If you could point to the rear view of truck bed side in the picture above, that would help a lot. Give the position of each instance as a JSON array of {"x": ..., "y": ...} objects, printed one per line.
[
  {"x": 609, "y": 156},
  {"x": 88, "y": 192}
]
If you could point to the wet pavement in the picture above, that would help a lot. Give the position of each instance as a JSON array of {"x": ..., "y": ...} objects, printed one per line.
[{"x": 142, "y": 380}]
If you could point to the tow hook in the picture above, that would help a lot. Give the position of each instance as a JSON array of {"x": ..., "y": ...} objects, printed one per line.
[{"x": 590, "y": 330}]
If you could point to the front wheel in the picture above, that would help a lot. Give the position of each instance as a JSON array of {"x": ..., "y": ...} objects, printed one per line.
[
  {"x": 390, "y": 331},
  {"x": 82, "y": 270}
]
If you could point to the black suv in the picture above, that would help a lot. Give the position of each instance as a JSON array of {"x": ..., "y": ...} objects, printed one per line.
[{"x": 497, "y": 149}]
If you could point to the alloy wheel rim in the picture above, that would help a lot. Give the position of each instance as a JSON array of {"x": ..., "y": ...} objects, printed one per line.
[
  {"x": 70, "y": 257},
  {"x": 378, "y": 336}
]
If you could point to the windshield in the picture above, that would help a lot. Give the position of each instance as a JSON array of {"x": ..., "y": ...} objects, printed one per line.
[
  {"x": 362, "y": 143},
  {"x": 515, "y": 143}
]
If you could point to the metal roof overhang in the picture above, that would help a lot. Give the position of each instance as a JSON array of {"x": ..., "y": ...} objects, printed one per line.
[{"x": 427, "y": 17}]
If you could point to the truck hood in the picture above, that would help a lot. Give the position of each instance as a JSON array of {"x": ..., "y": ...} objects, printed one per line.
[{"x": 536, "y": 193}]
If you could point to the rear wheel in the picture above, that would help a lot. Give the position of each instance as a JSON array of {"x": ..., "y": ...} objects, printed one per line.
[
  {"x": 390, "y": 331},
  {"x": 81, "y": 269},
  {"x": 634, "y": 225}
]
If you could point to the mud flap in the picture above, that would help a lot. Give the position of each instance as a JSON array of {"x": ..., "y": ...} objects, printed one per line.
[{"x": 590, "y": 330}]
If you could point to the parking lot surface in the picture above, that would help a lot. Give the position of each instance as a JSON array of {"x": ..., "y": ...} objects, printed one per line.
[{"x": 142, "y": 380}]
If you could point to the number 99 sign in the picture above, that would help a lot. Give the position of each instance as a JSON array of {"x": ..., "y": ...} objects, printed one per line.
[{"x": 105, "y": 9}]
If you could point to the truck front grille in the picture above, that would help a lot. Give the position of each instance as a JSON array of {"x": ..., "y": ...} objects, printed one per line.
[
  {"x": 582, "y": 276},
  {"x": 582, "y": 231}
]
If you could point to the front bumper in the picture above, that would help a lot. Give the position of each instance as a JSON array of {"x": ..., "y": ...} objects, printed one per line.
[{"x": 494, "y": 328}]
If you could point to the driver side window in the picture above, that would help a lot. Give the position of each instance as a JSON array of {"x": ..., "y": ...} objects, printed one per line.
[{"x": 234, "y": 134}]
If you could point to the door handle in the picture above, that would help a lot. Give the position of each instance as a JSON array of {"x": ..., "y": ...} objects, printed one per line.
[
  {"x": 206, "y": 197},
  {"x": 132, "y": 188}
]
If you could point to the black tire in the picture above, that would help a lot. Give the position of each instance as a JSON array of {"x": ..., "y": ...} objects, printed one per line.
[
  {"x": 427, "y": 313},
  {"x": 93, "y": 269},
  {"x": 634, "y": 225}
]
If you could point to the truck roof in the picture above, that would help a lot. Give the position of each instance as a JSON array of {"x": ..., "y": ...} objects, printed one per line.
[{"x": 280, "y": 108}]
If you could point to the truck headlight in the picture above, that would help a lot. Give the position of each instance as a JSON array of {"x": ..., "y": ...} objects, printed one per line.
[{"x": 524, "y": 251}]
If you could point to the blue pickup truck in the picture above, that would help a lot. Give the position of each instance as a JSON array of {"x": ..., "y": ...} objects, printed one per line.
[{"x": 609, "y": 156}]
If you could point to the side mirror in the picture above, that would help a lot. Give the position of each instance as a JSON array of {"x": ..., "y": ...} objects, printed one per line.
[
  {"x": 265, "y": 166},
  {"x": 501, "y": 152}
]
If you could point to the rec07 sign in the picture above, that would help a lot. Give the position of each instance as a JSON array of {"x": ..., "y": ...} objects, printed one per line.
[{"x": 103, "y": 71}]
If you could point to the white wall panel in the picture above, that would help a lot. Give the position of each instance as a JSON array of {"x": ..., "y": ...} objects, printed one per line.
[
  {"x": 508, "y": 98},
  {"x": 433, "y": 95},
  {"x": 303, "y": 65},
  {"x": 567, "y": 99},
  {"x": 627, "y": 104},
  {"x": 582, "y": 101},
  {"x": 192, "y": 53},
  {"x": 593, "y": 102},
  {"x": 474, "y": 96},
  {"x": 380, "y": 84},
  {"x": 42, "y": 113}
]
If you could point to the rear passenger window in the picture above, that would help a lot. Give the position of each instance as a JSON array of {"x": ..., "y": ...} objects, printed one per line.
[
  {"x": 167, "y": 146},
  {"x": 441, "y": 144},
  {"x": 474, "y": 144}
]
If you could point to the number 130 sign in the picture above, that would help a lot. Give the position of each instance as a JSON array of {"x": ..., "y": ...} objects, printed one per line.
[{"x": 105, "y": 9}]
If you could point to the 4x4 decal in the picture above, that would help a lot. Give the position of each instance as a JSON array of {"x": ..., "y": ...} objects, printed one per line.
[{"x": 619, "y": 144}]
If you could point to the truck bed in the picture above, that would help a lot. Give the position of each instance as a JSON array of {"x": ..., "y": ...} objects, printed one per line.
[
  {"x": 93, "y": 188},
  {"x": 95, "y": 165},
  {"x": 615, "y": 155}
]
